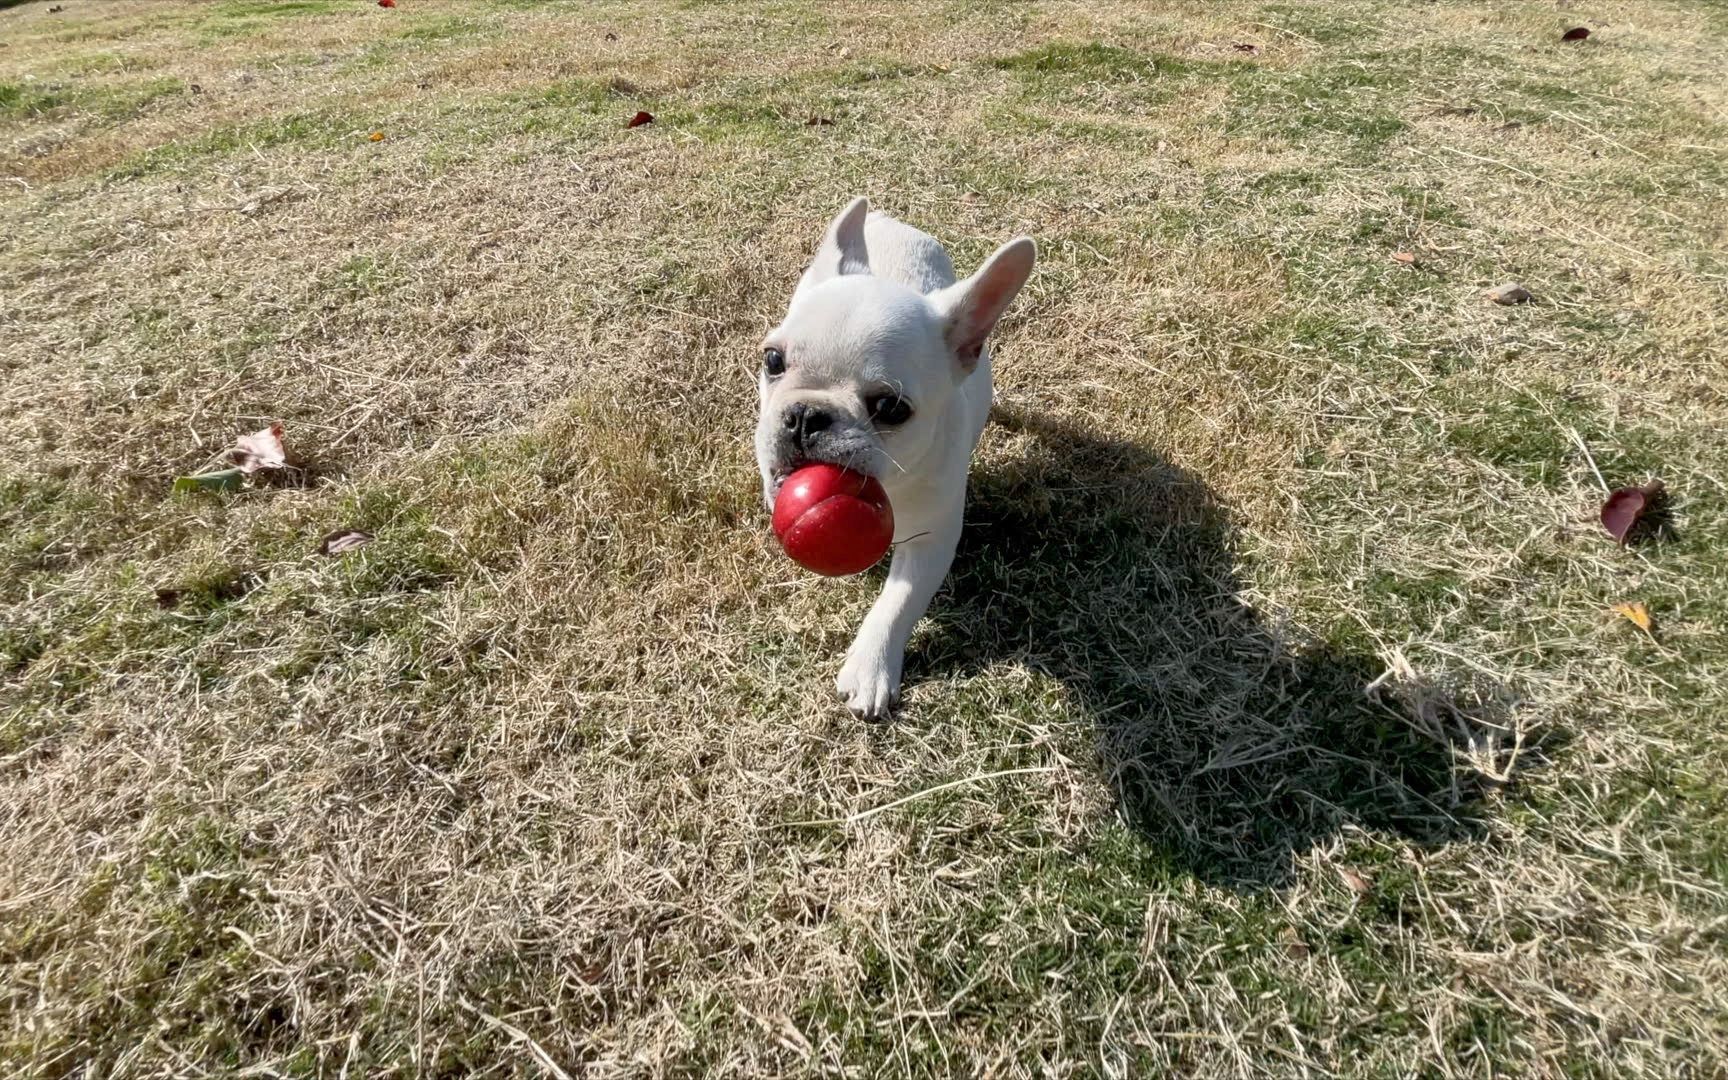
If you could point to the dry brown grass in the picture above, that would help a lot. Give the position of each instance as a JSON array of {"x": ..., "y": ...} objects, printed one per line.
[{"x": 1273, "y": 723}]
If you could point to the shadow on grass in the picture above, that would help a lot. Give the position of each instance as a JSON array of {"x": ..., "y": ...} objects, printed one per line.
[{"x": 1230, "y": 746}]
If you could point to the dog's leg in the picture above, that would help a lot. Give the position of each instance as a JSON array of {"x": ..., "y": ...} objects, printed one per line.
[{"x": 869, "y": 680}]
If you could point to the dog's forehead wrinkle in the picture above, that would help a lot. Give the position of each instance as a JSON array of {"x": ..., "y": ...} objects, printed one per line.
[
  {"x": 861, "y": 309},
  {"x": 862, "y": 330}
]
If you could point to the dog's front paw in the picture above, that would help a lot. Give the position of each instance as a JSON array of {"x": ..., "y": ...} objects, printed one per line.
[{"x": 870, "y": 686}]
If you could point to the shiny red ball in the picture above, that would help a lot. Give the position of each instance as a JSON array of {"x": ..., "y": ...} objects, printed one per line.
[{"x": 832, "y": 520}]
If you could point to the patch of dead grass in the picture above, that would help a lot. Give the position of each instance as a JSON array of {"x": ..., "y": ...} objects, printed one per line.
[{"x": 1272, "y": 722}]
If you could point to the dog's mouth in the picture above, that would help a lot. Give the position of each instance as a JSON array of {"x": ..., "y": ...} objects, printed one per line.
[{"x": 777, "y": 476}]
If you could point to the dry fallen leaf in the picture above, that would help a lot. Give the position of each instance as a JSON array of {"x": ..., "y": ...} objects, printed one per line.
[
  {"x": 1625, "y": 506},
  {"x": 376, "y": 136},
  {"x": 818, "y": 121},
  {"x": 639, "y": 119},
  {"x": 343, "y": 540},
  {"x": 1404, "y": 258},
  {"x": 1293, "y": 943},
  {"x": 1637, "y": 614},
  {"x": 1577, "y": 33},
  {"x": 259, "y": 450},
  {"x": 1355, "y": 882},
  {"x": 1509, "y": 293}
]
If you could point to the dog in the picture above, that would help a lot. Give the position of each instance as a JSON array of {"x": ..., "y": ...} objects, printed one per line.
[{"x": 881, "y": 366}]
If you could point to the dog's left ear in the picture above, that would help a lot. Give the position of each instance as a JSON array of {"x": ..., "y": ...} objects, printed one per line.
[
  {"x": 842, "y": 250},
  {"x": 973, "y": 306}
]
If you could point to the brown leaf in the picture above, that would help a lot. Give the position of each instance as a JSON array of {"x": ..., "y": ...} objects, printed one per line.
[
  {"x": 1293, "y": 943},
  {"x": 1404, "y": 258},
  {"x": 639, "y": 119},
  {"x": 259, "y": 450},
  {"x": 1637, "y": 614},
  {"x": 1353, "y": 881},
  {"x": 1625, "y": 506},
  {"x": 343, "y": 540},
  {"x": 818, "y": 121},
  {"x": 376, "y": 136},
  {"x": 1577, "y": 33},
  {"x": 1508, "y": 293}
]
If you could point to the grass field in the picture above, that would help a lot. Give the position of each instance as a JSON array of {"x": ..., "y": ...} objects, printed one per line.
[{"x": 1275, "y": 721}]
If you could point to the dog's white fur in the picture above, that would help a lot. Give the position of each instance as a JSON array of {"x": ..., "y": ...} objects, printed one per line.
[{"x": 879, "y": 312}]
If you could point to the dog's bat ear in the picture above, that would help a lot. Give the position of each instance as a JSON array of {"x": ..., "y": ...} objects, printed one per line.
[
  {"x": 846, "y": 232},
  {"x": 842, "y": 251},
  {"x": 972, "y": 307}
]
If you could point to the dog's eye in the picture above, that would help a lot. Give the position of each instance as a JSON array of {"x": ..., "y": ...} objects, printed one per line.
[
  {"x": 890, "y": 409},
  {"x": 773, "y": 362}
]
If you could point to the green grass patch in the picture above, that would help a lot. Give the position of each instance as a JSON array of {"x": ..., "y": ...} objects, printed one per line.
[
  {"x": 233, "y": 19},
  {"x": 107, "y": 102},
  {"x": 1356, "y": 104},
  {"x": 1090, "y": 60},
  {"x": 441, "y": 29},
  {"x": 1526, "y": 433},
  {"x": 302, "y": 131},
  {"x": 23, "y": 100}
]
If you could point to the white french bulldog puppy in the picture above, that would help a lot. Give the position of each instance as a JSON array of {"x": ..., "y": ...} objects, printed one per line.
[{"x": 880, "y": 366}]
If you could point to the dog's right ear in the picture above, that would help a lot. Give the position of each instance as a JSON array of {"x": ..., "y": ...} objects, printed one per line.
[
  {"x": 971, "y": 307},
  {"x": 842, "y": 251}
]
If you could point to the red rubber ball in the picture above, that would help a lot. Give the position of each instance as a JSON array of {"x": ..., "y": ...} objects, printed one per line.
[{"x": 832, "y": 520}]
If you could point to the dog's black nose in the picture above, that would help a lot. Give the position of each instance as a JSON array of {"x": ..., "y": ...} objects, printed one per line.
[{"x": 803, "y": 421}]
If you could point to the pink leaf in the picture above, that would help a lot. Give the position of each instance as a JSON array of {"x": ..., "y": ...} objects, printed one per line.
[{"x": 260, "y": 450}]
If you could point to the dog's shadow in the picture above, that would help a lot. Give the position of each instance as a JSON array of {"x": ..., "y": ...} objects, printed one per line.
[{"x": 1229, "y": 746}]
